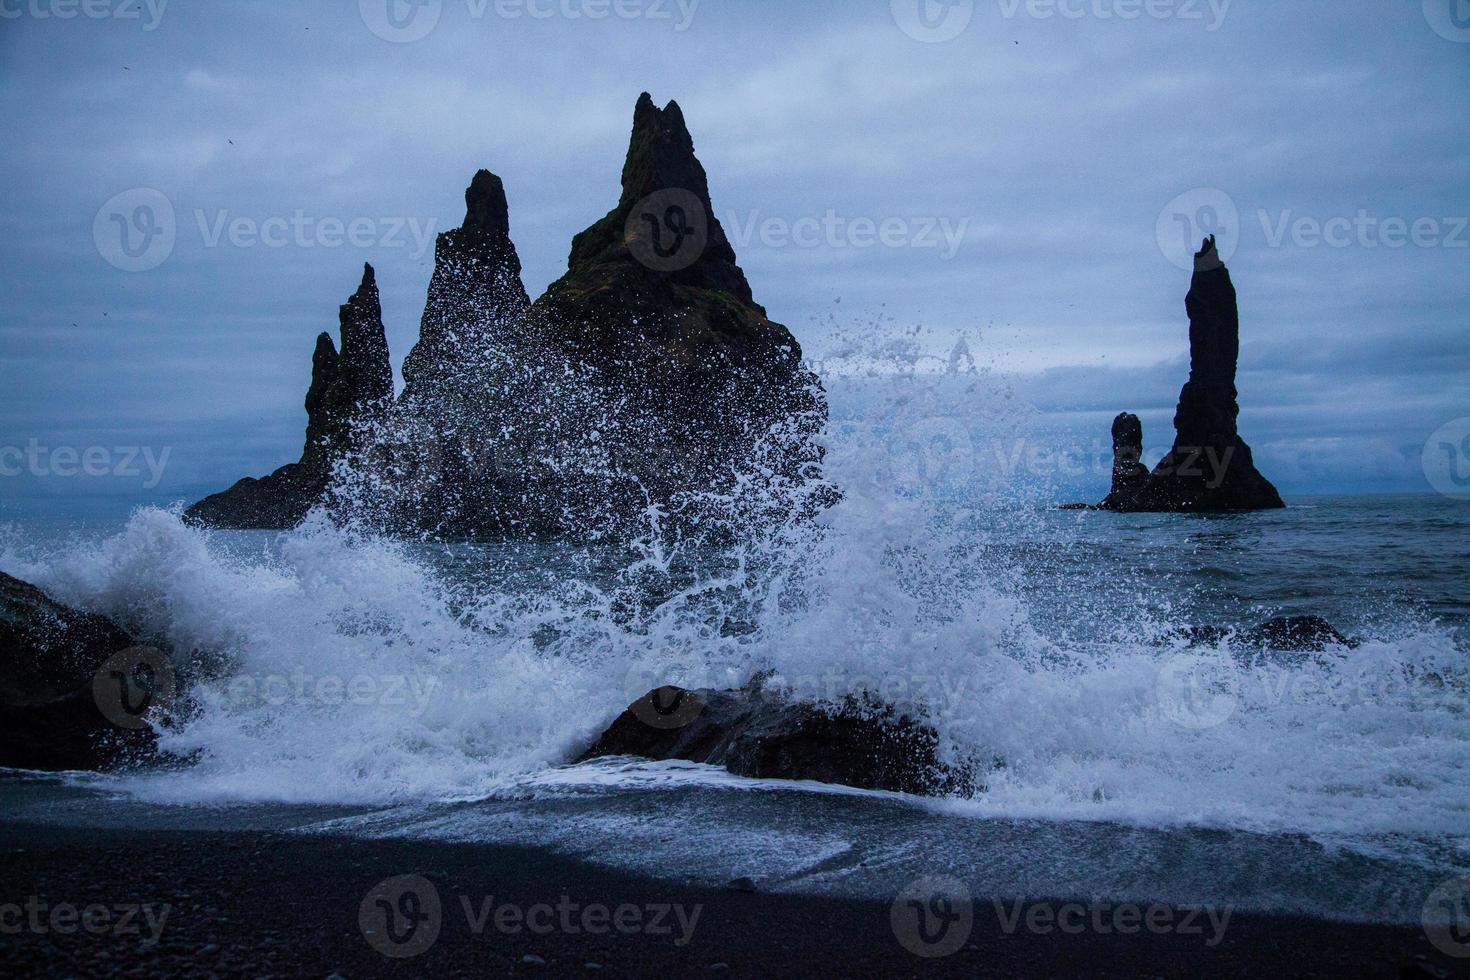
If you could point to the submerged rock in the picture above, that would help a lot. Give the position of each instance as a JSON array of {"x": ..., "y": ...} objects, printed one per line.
[
  {"x": 54, "y": 689},
  {"x": 1210, "y": 468},
  {"x": 1296, "y": 633},
  {"x": 756, "y": 734},
  {"x": 1285, "y": 634},
  {"x": 348, "y": 390}
]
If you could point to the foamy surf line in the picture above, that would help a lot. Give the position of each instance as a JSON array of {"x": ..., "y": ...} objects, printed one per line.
[{"x": 518, "y": 683}]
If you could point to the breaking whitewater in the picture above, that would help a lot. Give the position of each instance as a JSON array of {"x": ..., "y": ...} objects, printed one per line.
[{"x": 440, "y": 689}]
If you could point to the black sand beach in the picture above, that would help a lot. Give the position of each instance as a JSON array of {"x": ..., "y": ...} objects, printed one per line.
[{"x": 255, "y": 904}]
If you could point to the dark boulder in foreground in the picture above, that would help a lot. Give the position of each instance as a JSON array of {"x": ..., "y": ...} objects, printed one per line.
[
  {"x": 347, "y": 390},
  {"x": 755, "y": 734},
  {"x": 1210, "y": 468},
  {"x": 72, "y": 686}
]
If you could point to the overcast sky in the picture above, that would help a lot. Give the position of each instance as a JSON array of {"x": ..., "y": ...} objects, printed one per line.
[{"x": 1034, "y": 169}]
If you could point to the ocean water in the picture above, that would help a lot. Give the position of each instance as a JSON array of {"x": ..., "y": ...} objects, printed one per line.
[{"x": 442, "y": 689}]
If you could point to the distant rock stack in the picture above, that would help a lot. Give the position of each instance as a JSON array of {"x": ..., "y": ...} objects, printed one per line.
[
  {"x": 1129, "y": 473},
  {"x": 348, "y": 391},
  {"x": 1210, "y": 468}
]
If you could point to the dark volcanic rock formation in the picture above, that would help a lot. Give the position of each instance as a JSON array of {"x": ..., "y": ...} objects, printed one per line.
[
  {"x": 476, "y": 297},
  {"x": 755, "y": 734},
  {"x": 646, "y": 372},
  {"x": 50, "y": 655},
  {"x": 1210, "y": 468},
  {"x": 654, "y": 300},
  {"x": 1129, "y": 473},
  {"x": 645, "y": 376},
  {"x": 347, "y": 390}
]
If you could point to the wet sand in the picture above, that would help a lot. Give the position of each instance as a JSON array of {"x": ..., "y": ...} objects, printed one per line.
[{"x": 87, "y": 902}]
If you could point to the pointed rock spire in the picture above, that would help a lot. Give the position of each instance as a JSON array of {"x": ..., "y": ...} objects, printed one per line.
[
  {"x": 1210, "y": 468},
  {"x": 664, "y": 227},
  {"x": 366, "y": 380},
  {"x": 325, "y": 363},
  {"x": 656, "y": 308},
  {"x": 347, "y": 387},
  {"x": 476, "y": 297}
]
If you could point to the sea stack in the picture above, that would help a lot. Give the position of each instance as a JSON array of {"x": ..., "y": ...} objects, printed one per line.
[
  {"x": 348, "y": 390},
  {"x": 646, "y": 372},
  {"x": 647, "y": 376},
  {"x": 655, "y": 303},
  {"x": 1210, "y": 468},
  {"x": 476, "y": 297},
  {"x": 1129, "y": 473}
]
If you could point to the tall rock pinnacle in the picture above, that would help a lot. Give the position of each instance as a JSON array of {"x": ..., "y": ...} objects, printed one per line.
[
  {"x": 1210, "y": 468},
  {"x": 476, "y": 297},
  {"x": 655, "y": 305},
  {"x": 348, "y": 389},
  {"x": 320, "y": 412},
  {"x": 366, "y": 371},
  {"x": 651, "y": 267}
]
